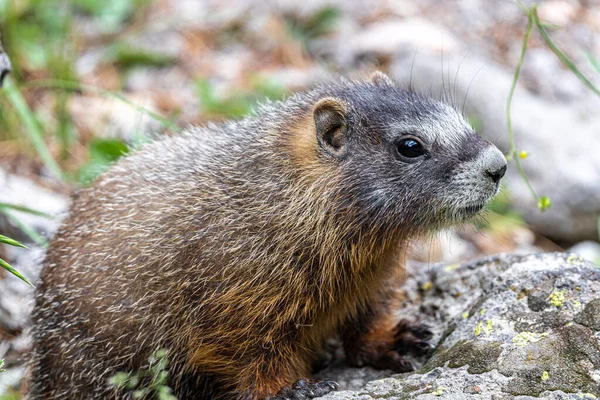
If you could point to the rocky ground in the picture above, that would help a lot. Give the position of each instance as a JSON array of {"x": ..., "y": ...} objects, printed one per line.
[
  {"x": 220, "y": 57},
  {"x": 504, "y": 327}
]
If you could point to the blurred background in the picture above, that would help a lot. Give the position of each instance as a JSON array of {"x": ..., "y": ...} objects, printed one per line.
[{"x": 94, "y": 79}]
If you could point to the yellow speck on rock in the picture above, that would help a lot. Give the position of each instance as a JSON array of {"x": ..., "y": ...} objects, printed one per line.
[
  {"x": 427, "y": 286},
  {"x": 524, "y": 338},
  {"x": 482, "y": 311},
  {"x": 451, "y": 267},
  {"x": 488, "y": 328},
  {"x": 586, "y": 396},
  {"x": 545, "y": 376},
  {"x": 439, "y": 391},
  {"x": 465, "y": 315},
  {"x": 478, "y": 329},
  {"x": 557, "y": 298}
]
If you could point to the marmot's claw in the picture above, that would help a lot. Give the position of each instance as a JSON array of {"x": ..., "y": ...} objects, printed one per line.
[
  {"x": 395, "y": 361},
  {"x": 305, "y": 389},
  {"x": 412, "y": 338}
]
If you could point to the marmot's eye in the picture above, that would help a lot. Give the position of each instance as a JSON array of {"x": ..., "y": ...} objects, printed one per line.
[{"x": 410, "y": 148}]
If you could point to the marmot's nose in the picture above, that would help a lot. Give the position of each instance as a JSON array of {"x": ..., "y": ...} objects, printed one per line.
[
  {"x": 494, "y": 163},
  {"x": 497, "y": 174}
]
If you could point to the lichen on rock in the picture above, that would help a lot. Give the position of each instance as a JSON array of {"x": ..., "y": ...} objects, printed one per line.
[{"x": 522, "y": 327}]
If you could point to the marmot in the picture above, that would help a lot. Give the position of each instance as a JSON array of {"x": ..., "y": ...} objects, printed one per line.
[{"x": 241, "y": 247}]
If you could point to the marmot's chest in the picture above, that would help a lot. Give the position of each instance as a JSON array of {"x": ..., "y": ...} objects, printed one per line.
[{"x": 348, "y": 298}]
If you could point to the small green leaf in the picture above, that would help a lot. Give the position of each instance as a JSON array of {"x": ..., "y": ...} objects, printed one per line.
[
  {"x": 133, "y": 382},
  {"x": 107, "y": 149},
  {"x": 13, "y": 271},
  {"x": 103, "y": 152},
  {"x": 119, "y": 379}
]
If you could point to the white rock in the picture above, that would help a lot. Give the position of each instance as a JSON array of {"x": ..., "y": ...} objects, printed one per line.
[
  {"x": 24, "y": 192},
  {"x": 590, "y": 250},
  {"x": 394, "y": 35}
]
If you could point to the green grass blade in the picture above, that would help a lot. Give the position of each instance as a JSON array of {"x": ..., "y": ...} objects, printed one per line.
[
  {"x": 27, "y": 210},
  {"x": 562, "y": 57},
  {"x": 13, "y": 271},
  {"x": 594, "y": 61},
  {"x": 71, "y": 85},
  {"x": 28, "y": 230},
  {"x": 522, "y": 7},
  {"x": 511, "y": 135},
  {"x": 31, "y": 127},
  {"x": 11, "y": 242},
  {"x": 543, "y": 202}
]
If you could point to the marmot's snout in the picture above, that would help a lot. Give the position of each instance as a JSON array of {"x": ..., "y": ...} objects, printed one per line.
[
  {"x": 494, "y": 163},
  {"x": 477, "y": 183}
]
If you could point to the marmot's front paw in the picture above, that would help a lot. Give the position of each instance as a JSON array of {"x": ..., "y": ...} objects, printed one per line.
[
  {"x": 412, "y": 338},
  {"x": 408, "y": 338},
  {"x": 305, "y": 389},
  {"x": 387, "y": 350}
]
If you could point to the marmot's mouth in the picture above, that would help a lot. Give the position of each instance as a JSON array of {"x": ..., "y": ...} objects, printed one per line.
[
  {"x": 468, "y": 211},
  {"x": 472, "y": 208}
]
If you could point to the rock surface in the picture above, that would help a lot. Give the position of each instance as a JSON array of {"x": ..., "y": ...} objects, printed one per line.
[
  {"x": 23, "y": 192},
  {"x": 505, "y": 327}
]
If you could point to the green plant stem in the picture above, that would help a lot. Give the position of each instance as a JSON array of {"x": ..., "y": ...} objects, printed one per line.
[
  {"x": 561, "y": 56},
  {"x": 31, "y": 128},
  {"x": 512, "y": 154},
  {"x": 25, "y": 210},
  {"x": 11, "y": 242},
  {"x": 13, "y": 271},
  {"x": 595, "y": 63},
  {"x": 71, "y": 85},
  {"x": 28, "y": 230}
]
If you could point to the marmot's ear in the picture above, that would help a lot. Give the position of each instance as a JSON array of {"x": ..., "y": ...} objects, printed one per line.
[
  {"x": 330, "y": 121},
  {"x": 380, "y": 79}
]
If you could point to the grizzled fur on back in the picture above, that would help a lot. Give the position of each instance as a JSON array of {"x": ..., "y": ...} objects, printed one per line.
[{"x": 240, "y": 247}]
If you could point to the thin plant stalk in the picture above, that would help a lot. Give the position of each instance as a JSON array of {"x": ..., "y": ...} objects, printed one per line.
[
  {"x": 511, "y": 135},
  {"x": 71, "y": 85},
  {"x": 561, "y": 56},
  {"x": 32, "y": 128}
]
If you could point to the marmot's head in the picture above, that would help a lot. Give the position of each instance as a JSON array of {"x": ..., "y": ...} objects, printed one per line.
[{"x": 405, "y": 159}]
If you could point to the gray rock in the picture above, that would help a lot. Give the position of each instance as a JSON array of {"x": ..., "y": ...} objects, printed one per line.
[
  {"x": 505, "y": 327},
  {"x": 558, "y": 166},
  {"x": 23, "y": 192}
]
